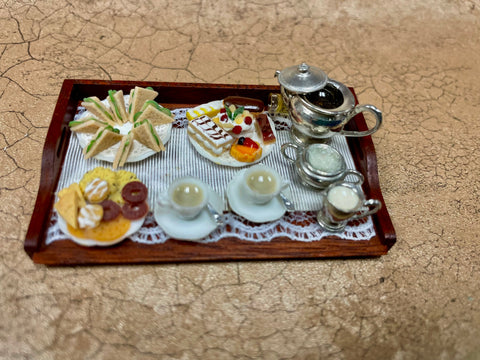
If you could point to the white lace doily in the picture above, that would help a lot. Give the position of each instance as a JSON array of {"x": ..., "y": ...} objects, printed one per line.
[{"x": 181, "y": 159}]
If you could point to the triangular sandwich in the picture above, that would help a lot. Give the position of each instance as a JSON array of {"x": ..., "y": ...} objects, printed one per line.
[
  {"x": 138, "y": 97},
  {"x": 156, "y": 114},
  {"x": 123, "y": 151},
  {"x": 97, "y": 108},
  {"x": 104, "y": 138},
  {"x": 117, "y": 106},
  {"x": 145, "y": 133},
  {"x": 87, "y": 125}
]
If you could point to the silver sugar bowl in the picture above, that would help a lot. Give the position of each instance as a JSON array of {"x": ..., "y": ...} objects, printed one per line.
[{"x": 319, "y": 165}]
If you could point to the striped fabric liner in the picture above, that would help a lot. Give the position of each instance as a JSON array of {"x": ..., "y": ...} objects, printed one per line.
[{"x": 181, "y": 159}]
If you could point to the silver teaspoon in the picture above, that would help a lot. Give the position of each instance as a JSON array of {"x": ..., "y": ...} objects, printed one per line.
[
  {"x": 290, "y": 206},
  {"x": 217, "y": 217}
]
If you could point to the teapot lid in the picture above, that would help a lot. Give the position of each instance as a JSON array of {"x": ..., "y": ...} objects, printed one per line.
[{"x": 302, "y": 79}]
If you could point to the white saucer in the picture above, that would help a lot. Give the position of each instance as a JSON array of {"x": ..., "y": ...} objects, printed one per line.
[
  {"x": 135, "y": 225},
  {"x": 270, "y": 211},
  {"x": 192, "y": 230}
]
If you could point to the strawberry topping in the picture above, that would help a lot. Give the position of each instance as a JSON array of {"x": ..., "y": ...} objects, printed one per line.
[{"x": 237, "y": 129}]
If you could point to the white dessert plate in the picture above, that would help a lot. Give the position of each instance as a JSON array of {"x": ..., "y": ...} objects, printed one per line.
[
  {"x": 226, "y": 159},
  {"x": 270, "y": 211},
  {"x": 137, "y": 153},
  {"x": 191, "y": 230},
  {"x": 135, "y": 225}
]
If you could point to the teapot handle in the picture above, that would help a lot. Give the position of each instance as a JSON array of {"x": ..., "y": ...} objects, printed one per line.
[{"x": 359, "y": 109}]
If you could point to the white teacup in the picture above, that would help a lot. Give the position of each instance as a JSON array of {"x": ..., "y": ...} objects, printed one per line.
[
  {"x": 261, "y": 184},
  {"x": 187, "y": 196}
]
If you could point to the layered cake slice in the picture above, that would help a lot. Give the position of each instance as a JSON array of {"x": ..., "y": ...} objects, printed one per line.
[
  {"x": 209, "y": 135},
  {"x": 210, "y": 109},
  {"x": 264, "y": 130}
]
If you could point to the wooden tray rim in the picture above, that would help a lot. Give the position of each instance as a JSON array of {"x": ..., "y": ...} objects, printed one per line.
[{"x": 128, "y": 252}]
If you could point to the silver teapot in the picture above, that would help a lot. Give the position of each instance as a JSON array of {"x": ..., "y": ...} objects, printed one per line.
[{"x": 319, "y": 107}]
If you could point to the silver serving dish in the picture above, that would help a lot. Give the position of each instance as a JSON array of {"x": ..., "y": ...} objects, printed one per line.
[{"x": 319, "y": 165}]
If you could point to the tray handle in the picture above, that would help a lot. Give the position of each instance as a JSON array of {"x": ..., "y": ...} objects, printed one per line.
[
  {"x": 54, "y": 151},
  {"x": 366, "y": 163}
]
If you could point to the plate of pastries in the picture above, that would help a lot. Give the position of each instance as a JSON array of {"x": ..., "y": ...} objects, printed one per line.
[
  {"x": 103, "y": 208},
  {"x": 235, "y": 131}
]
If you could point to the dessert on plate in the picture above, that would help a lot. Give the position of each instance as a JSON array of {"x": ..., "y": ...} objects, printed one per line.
[
  {"x": 234, "y": 131},
  {"x": 103, "y": 208},
  {"x": 209, "y": 135}
]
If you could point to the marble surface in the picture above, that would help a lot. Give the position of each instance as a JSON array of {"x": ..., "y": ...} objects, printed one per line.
[{"x": 417, "y": 61}]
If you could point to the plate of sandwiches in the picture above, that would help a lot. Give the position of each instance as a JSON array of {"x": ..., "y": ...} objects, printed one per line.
[
  {"x": 234, "y": 131},
  {"x": 123, "y": 128}
]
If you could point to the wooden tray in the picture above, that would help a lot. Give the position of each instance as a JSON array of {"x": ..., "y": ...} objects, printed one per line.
[{"x": 181, "y": 95}]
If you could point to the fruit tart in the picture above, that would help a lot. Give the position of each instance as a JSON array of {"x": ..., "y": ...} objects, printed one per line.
[{"x": 246, "y": 150}]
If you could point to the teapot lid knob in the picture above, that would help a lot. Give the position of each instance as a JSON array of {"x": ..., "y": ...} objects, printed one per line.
[
  {"x": 303, "y": 68},
  {"x": 302, "y": 79}
]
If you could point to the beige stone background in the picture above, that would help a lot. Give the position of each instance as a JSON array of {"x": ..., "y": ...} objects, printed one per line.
[{"x": 419, "y": 61}]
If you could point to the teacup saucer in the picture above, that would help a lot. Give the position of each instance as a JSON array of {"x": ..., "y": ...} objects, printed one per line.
[
  {"x": 270, "y": 211},
  {"x": 193, "y": 230}
]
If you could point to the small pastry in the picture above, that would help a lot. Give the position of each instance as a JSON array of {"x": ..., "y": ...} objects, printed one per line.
[
  {"x": 97, "y": 190},
  {"x": 246, "y": 150},
  {"x": 111, "y": 210},
  {"x": 134, "y": 211},
  {"x": 134, "y": 192},
  {"x": 252, "y": 105},
  {"x": 89, "y": 216},
  {"x": 243, "y": 122},
  {"x": 237, "y": 121},
  {"x": 99, "y": 172}
]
